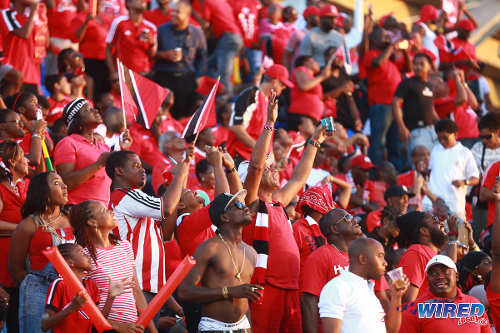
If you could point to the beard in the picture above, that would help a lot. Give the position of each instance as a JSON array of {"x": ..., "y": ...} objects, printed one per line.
[{"x": 438, "y": 238}]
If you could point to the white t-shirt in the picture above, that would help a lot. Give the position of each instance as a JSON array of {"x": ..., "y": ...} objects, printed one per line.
[
  {"x": 490, "y": 155},
  {"x": 447, "y": 165},
  {"x": 350, "y": 298}
]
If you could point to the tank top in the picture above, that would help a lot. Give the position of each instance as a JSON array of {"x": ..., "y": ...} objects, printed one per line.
[
  {"x": 12, "y": 203},
  {"x": 44, "y": 238}
]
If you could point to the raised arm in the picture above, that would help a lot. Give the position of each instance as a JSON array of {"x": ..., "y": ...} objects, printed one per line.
[
  {"x": 27, "y": 28},
  {"x": 303, "y": 169},
  {"x": 173, "y": 193},
  {"x": 259, "y": 152},
  {"x": 214, "y": 157}
]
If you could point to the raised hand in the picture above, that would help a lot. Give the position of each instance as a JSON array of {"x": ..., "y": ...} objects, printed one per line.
[
  {"x": 117, "y": 288},
  {"x": 272, "y": 108}
]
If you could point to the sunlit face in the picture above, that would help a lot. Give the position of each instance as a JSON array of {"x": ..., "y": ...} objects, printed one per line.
[
  {"x": 58, "y": 190},
  {"x": 442, "y": 280}
]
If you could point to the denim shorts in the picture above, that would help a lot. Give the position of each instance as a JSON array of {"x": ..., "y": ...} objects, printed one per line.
[{"x": 32, "y": 294}]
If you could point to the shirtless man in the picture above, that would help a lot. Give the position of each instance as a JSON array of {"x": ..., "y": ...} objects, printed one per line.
[{"x": 224, "y": 266}]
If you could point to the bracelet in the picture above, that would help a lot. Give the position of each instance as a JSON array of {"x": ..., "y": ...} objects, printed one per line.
[
  {"x": 313, "y": 143},
  {"x": 268, "y": 127},
  {"x": 231, "y": 170},
  {"x": 36, "y": 136},
  {"x": 454, "y": 242},
  {"x": 225, "y": 292},
  {"x": 453, "y": 233}
]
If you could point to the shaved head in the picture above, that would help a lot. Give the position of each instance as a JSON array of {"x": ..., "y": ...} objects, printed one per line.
[
  {"x": 362, "y": 246},
  {"x": 330, "y": 219}
]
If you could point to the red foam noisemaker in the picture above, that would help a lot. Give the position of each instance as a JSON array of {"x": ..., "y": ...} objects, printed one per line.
[
  {"x": 95, "y": 315},
  {"x": 173, "y": 281}
]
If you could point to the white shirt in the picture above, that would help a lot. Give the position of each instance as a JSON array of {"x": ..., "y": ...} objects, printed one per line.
[
  {"x": 490, "y": 155},
  {"x": 447, "y": 165},
  {"x": 350, "y": 298}
]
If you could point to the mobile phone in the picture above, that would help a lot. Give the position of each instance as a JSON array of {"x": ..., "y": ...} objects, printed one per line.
[
  {"x": 328, "y": 123},
  {"x": 463, "y": 235}
]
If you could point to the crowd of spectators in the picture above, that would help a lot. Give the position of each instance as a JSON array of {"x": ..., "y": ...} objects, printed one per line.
[{"x": 294, "y": 225}]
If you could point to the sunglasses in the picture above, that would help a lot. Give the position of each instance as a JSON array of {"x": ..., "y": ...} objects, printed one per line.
[
  {"x": 486, "y": 137},
  {"x": 348, "y": 218},
  {"x": 238, "y": 205}
]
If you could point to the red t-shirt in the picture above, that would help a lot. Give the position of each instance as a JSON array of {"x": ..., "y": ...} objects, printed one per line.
[
  {"x": 378, "y": 193},
  {"x": 27, "y": 139},
  {"x": 221, "y": 134},
  {"x": 246, "y": 13},
  {"x": 323, "y": 265},
  {"x": 413, "y": 262},
  {"x": 125, "y": 37},
  {"x": 144, "y": 144},
  {"x": 494, "y": 302},
  {"x": 25, "y": 55},
  {"x": 174, "y": 257},
  {"x": 280, "y": 35},
  {"x": 382, "y": 80},
  {"x": 407, "y": 179},
  {"x": 411, "y": 323},
  {"x": 60, "y": 295},
  {"x": 460, "y": 50},
  {"x": 11, "y": 212},
  {"x": 93, "y": 42},
  {"x": 56, "y": 108},
  {"x": 193, "y": 229},
  {"x": 60, "y": 18},
  {"x": 220, "y": 15},
  {"x": 308, "y": 237},
  {"x": 489, "y": 178},
  {"x": 156, "y": 16},
  {"x": 310, "y": 102},
  {"x": 77, "y": 150},
  {"x": 41, "y": 240}
]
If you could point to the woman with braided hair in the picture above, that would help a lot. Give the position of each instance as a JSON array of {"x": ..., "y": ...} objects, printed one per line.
[
  {"x": 111, "y": 259},
  {"x": 45, "y": 224},
  {"x": 13, "y": 187}
]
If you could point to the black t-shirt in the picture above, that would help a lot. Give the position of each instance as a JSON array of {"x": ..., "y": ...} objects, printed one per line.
[{"x": 417, "y": 98}]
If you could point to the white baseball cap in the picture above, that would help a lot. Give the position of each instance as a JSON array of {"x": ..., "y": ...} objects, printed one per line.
[{"x": 443, "y": 260}]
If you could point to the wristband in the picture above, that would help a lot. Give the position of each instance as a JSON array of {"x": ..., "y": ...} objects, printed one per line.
[
  {"x": 453, "y": 233},
  {"x": 231, "y": 170},
  {"x": 313, "y": 143},
  {"x": 225, "y": 292},
  {"x": 268, "y": 127},
  {"x": 36, "y": 136}
]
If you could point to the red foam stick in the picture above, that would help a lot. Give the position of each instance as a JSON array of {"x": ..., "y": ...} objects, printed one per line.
[
  {"x": 93, "y": 7},
  {"x": 54, "y": 256},
  {"x": 168, "y": 288}
]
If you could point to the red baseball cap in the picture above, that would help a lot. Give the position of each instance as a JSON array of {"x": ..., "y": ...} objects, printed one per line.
[
  {"x": 428, "y": 13},
  {"x": 362, "y": 161},
  {"x": 328, "y": 10},
  {"x": 279, "y": 72},
  {"x": 467, "y": 25},
  {"x": 310, "y": 11},
  {"x": 206, "y": 84}
]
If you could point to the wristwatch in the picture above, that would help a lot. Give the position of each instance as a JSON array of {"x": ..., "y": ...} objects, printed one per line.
[{"x": 314, "y": 143}]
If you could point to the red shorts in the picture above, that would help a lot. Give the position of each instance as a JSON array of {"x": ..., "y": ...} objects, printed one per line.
[{"x": 278, "y": 313}]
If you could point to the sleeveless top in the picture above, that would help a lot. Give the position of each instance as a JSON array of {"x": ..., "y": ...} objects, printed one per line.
[
  {"x": 12, "y": 203},
  {"x": 44, "y": 238}
]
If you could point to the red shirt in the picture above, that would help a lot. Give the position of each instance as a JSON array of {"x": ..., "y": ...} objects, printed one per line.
[
  {"x": 310, "y": 102},
  {"x": 60, "y": 18},
  {"x": 411, "y": 323},
  {"x": 252, "y": 117},
  {"x": 42, "y": 240},
  {"x": 460, "y": 50},
  {"x": 379, "y": 188},
  {"x": 193, "y": 229},
  {"x": 156, "y": 16},
  {"x": 323, "y": 265},
  {"x": 144, "y": 144},
  {"x": 27, "y": 139},
  {"x": 174, "y": 257},
  {"x": 25, "y": 55},
  {"x": 494, "y": 302},
  {"x": 56, "y": 108},
  {"x": 221, "y": 134},
  {"x": 11, "y": 212},
  {"x": 220, "y": 15},
  {"x": 407, "y": 179},
  {"x": 125, "y": 37},
  {"x": 413, "y": 262},
  {"x": 93, "y": 42},
  {"x": 280, "y": 35},
  {"x": 246, "y": 13},
  {"x": 382, "y": 80},
  {"x": 489, "y": 178},
  {"x": 60, "y": 295},
  {"x": 77, "y": 150},
  {"x": 308, "y": 237}
]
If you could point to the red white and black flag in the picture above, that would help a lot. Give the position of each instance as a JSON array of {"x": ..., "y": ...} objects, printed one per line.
[
  {"x": 139, "y": 94},
  {"x": 204, "y": 117}
]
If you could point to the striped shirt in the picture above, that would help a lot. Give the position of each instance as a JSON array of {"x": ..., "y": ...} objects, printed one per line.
[
  {"x": 138, "y": 216},
  {"x": 117, "y": 263}
]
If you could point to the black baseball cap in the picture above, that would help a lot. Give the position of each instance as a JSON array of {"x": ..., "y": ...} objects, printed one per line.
[
  {"x": 222, "y": 202},
  {"x": 397, "y": 191}
]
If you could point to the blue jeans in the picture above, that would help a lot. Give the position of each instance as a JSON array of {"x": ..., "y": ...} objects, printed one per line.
[
  {"x": 384, "y": 134},
  {"x": 32, "y": 294},
  {"x": 227, "y": 48},
  {"x": 254, "y": 58}
]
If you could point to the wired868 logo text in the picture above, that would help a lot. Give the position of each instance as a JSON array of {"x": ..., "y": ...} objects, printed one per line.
[{"x": 464, "y": 312}]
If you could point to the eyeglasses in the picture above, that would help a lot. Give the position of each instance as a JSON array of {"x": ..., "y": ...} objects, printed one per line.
[
  {"x": 486, "y": 137},
  {"x": 237, "y": 204}
]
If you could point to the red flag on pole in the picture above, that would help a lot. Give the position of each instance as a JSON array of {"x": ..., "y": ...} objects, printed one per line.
[
  {"x": 205, "y": 116},
  {"x": 140, "y": 95}
]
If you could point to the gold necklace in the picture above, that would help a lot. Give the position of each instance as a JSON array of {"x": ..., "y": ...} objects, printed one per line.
[{"x": 238, "y": 274}]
